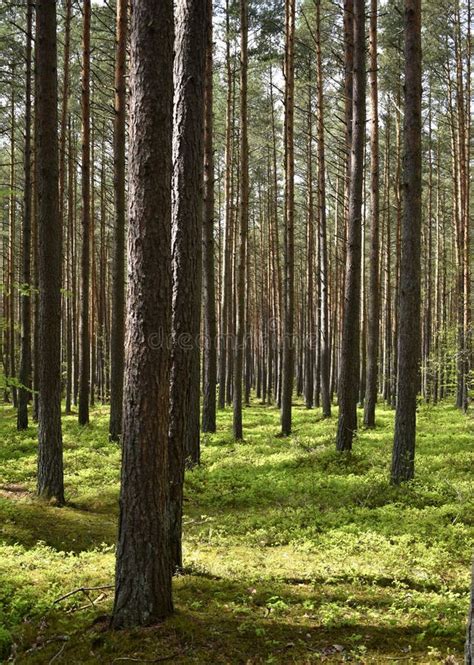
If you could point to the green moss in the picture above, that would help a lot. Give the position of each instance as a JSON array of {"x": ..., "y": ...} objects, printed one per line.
[{"x": 293, "y": 553}]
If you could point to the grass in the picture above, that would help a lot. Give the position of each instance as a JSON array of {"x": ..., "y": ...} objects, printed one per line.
[{"x": 293, "y": 553}]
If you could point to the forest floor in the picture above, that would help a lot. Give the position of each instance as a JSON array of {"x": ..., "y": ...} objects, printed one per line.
[{"x": 293, "y": 553}]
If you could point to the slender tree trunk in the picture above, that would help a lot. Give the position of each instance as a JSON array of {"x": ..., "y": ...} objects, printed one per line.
[
  {"x": 373, "y": 297},
  {"x": 84, "y": 360},
  {"x": 25, "y": 303},
  {"x": 189, "y": 77},
  {"x": 349, "y": 365},
  {"x": 325, "y": 359},
  {"x": 228, "y": 234},
  {"x": 50, "y": 449},
  {"x": 403, "y": 460},
  {"x": 143, "y": 581},
  {"x": 289, "y": 306},
  {"x": 310, "y": 331},
  {"x": 69, "y": 268},
  {"x": 118, "y": 270},
  {"x": 209, "y": 294},
  {"x": 243, "y": 230},
  {"x": 11, "y": 248}
]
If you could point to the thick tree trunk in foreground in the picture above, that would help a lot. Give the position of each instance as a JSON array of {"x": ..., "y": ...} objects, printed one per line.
[
  {"x": 349, "y": 364},
  {"x": 238, "y": 341},
  {"x": 209, "y": 294},
  {"x": 143, "y": 567},
  {"x": 50, "y": 448},
  {"x": 189, "y": 71},
  {"x": 289, "y": 306},
  {"x": 84, "y": 360},
  {"x": 403, "y": 459},
  {"x": 373, "y": 291},
  {"x": 118, "y": 276},
  {"x": 25, "y": 302}
]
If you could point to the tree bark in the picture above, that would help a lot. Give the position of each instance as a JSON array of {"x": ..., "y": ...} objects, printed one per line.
[
  {"x": 50, "y": 449},
  {"x": 403, "y": 458},
  {"x": 143, "y": 567},
  {"x": 118, "y": 270},
  {"x": 25, "y": 303},
  {"x": 373, "y": 297},
  {"x": 238, "y": 341},
  {"x": 209, "y": 293},
  {"x": 84, "y": 360},
  {"x": 289, "y": 306},
  {"x": 349, "y": 364},
  {"x": 325, "y": 357},
  {"x": 188, "y": 154}
]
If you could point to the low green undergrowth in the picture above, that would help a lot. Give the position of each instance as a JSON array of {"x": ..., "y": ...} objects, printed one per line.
[{"x": 293, "y": 553}]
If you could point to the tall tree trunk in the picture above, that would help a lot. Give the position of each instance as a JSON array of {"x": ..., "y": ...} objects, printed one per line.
[
  {"x": 325, "y": 358},
  {"x": 225, "y": 318},
  {"x": 70, "y": 301},
  {"x": 209, "y": 293},
  {"x": 310, "y": 330},
  {"x": 349, "y": 364},
  {"x": 84, "y": 360},
  {"x": 189, "y": 75},
  {"x": 118, "y": 271},
  {"x": 373, "y": 299},
  {"x": 143, "y": 582},
  {"x": 243, "y": 228},
  {"x": 50, "y": 448},
  {"x": 288, "y": 328},
  {"x": 25, "y": 361},
  {"x": 11, "y": 247},
  {"x": 403, "y": 459}
]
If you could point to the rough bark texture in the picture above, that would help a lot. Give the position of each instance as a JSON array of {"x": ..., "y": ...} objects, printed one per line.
[
  {"x": 25, "y": 302},
  {"x": 238, "y": 341},
  {"x": 403, "y": 459},
  {"x": 373, "y": 291},
  {"x": 50, "y": 456},
  {"x": 188, "y": 155},
  {"x": 209, "y": 295},
  {"x": 143, "y": 567},
  {"x": 288, "y": 323},
  {"x": 84, "y": 361},
  {"x": 349, "y": 364},
  {"x": 118, "y": 277}
]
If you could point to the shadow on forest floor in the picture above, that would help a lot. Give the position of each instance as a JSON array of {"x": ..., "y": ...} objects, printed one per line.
[{"x": 293, "y": 553}]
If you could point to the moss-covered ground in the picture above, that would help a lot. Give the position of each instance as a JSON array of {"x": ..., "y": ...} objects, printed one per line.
[{"x": 293, "y": 553}]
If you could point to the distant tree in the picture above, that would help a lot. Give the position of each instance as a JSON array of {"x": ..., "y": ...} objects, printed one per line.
[
  {"x": 85, "y": 360},
  {"x": 289, "y": 306},
  {"x": 25, "y": 364},
  {"x": 209, "y": 291},
  {"x": 238, "y": 341},
  {"x": 373, "y": 291}
]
